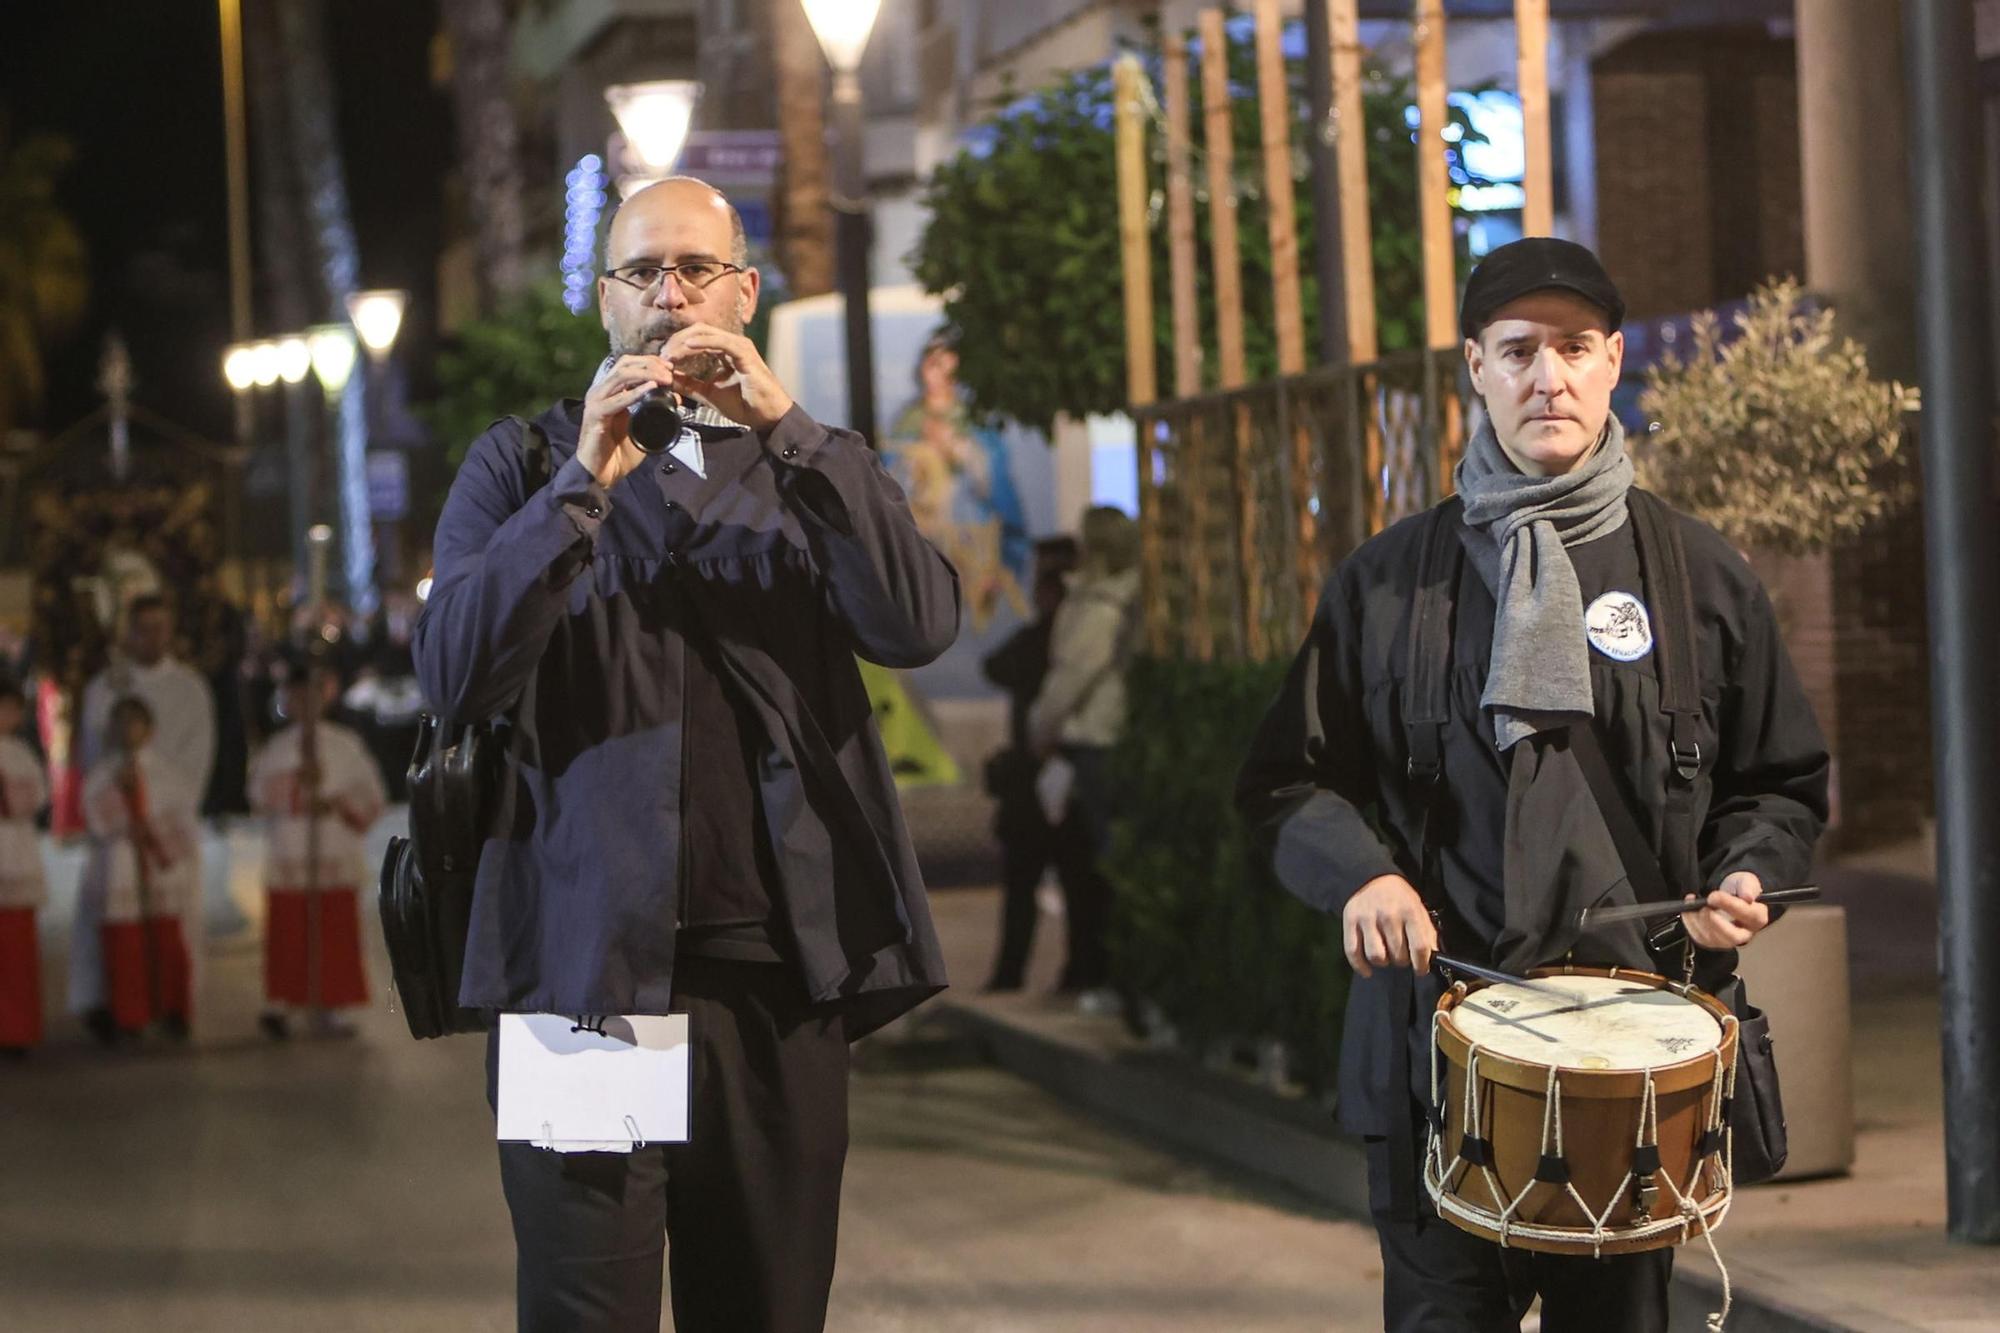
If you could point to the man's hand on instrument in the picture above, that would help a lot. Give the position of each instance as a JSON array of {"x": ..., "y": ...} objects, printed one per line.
[
  {"x": 1732, "y": 914},
  {"x": 748, "y": 393},
  {"x": 1385, "y": 924},
  {"x": 605, "y": 444}
]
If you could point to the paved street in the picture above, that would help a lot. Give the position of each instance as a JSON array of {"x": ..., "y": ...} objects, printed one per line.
[{"x": 348, "y": 1187}]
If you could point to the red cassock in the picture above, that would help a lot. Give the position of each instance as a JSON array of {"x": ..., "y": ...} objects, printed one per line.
[
  {"x": 312, "y": 934},
  {"x": 20, "y": 978},
  {"x": 23, "y": 789},
  {"x": 142, "y": 857}
]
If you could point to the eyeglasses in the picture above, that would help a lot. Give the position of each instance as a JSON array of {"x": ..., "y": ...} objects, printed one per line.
[{"x": 695, "y": 275}]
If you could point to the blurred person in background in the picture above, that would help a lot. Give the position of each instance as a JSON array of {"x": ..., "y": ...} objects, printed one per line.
[
  {"x": 24, "y": 790},
  {"x": 144, "y": 868},
  {"x": 181, "y": 714},
  {"x": 1029, "y": 843},
  {"x": 319, "y": 797},
  {"x": 1078, "y": 716}
]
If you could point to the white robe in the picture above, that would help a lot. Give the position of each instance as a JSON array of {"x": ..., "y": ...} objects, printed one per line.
[
  {"x": 23, "y": 883},
  {"x": 183, "y": 716},
  {"x": 111, "y": 871},
  {"x": 348, "y": 778},
  {"x": 184, "y": 737}
]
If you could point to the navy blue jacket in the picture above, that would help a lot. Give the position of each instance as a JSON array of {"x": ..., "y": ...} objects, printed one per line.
[{"x": 569, "y": 612}]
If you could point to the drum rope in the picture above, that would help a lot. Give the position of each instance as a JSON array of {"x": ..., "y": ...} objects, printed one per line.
[
  {"x": 1510, "y": 1227},
  {"x": 1732, "y": 1033},
  {"x": 1469, "y": 1112}
]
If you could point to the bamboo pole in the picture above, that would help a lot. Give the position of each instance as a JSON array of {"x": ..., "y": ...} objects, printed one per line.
[
  {"x": 1356, "y": 237},
  {"x": 1433, "y": 186},
  {"x": 1141, "y": 368},
  {"x": 1274, "y": 108},
  {"x": 1351, "y": 148},
  {"x": 1180, "y": 224},
  {"x": 1187, "y": 342},
  {"x": 236, "y": 156},
  {"x": 1274, "y": 111},
  {"x": 1225, "y": 250},
  {"x": 1226, "y": 267},
  {"x": 1439, "y": 247},
  {"x": 1531, "y": 24}
]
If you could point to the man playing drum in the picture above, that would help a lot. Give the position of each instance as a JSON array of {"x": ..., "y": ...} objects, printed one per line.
[{"x": 1556, "y": 612}]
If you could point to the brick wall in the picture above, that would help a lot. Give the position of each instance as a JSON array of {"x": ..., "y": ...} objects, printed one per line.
[
  {"x": 1653, "y": 202},
  {"x": 1882, "y": 684},
  {"x": 1698, "y": 166},
  {"x": 1699, "y": 201}
]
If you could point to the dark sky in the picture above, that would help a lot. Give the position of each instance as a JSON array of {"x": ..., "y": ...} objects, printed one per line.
[{"x": 137, "y": 88}]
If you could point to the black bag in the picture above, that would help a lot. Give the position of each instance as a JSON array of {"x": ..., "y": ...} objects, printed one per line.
[
  {"x": 428, "y": 877},
  {"x": 1757, "y": 1115}
]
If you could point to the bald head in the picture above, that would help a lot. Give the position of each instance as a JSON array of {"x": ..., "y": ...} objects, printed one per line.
[
  {"x": 669, "y": 198},
  {"x": 683, "y": 224}
]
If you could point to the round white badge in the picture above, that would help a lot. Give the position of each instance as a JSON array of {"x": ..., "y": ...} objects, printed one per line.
[{"x": 1618, "y": 627}]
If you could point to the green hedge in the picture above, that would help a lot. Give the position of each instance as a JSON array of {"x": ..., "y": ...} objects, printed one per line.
[{"x": 1200, "y": 926}]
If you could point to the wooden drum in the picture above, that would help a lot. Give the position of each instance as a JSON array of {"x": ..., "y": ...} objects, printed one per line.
[{"x": 1592, "y": 1124}]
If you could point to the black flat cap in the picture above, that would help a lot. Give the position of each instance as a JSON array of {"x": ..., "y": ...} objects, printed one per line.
[{"x": 1533, "y": 264}]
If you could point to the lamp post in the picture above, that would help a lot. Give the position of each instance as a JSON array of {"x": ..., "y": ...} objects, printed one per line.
[
  {"x": 330, "y": 349},
  {"x": 377, "y": 317},
  {"x": 653, "y": 120},
  {"x": 842, "y": 27}
]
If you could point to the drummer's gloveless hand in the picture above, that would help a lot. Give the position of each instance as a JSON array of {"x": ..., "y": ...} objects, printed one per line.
[
  {"x": 1385, "y": 924},
  {"x": 1732, "y": 914}
]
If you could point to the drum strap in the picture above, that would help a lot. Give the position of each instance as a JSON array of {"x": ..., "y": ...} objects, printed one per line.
[
  {"x": 1424, "y": 718},
  {"x": 1663, "y": 561}
]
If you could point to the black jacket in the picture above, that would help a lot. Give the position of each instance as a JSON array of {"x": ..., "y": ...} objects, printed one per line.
[
  {"x": 1325, "y": 785},
  {"x": 571, "y": 611}
]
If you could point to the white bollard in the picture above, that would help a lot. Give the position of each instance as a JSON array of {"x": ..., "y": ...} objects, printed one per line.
[{"x": 1796, "y": 971}]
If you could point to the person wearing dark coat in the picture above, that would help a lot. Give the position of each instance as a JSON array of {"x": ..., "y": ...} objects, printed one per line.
[
  {"x": 1029, "y": 843},
  {"x": 698, "y": 815},
  {"x": 1553, "y": 630}
]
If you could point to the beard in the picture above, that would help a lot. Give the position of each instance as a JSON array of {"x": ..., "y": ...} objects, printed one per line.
[{"x": 648, "y": 336}]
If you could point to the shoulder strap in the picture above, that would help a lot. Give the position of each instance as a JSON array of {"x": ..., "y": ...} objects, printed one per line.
[
  {"x": 535, "y": 469},
  {"x": 1424, "y": 705},
  {"x": 1663, "y": 558}
]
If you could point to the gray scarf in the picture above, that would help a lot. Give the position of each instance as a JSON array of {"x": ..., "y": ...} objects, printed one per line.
[{"x": 1517, "y": 529}]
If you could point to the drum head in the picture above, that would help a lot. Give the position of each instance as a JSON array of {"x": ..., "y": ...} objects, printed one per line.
[{"x": 1611, "y": 1023}]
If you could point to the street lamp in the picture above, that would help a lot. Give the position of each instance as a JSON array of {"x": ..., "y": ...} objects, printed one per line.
[
  {"x": 239, "y": 367},
  {"x": 654, "y": 119},
  {"x": 331, "y": 349},
  {"x": 842, "y": 27},
  {"x": 294, "y": 359},
  {"x": 377, "y": 316},
  {"x": 264, "y": 364}
]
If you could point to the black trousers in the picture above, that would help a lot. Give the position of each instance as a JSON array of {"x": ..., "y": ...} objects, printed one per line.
[
  {"x": 1086, "y": 891},
  {"x": 745, "y": 1215},
  {"x": 1438, "y": 1279},
  {"x": 1028, "y": 847}
]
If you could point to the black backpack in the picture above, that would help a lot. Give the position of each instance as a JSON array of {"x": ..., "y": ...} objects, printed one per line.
[{"x": 427, "y": 878}]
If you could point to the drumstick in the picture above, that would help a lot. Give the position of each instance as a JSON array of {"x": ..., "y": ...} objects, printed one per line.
[
  {"x": 1494, "y": 974},
  {"x": 1592, "y": 917}
]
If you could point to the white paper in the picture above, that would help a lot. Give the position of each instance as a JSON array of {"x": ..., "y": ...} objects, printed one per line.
[
  {"x": 1053, "y": 786},
  {"x": 610, "y": 1090}
]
